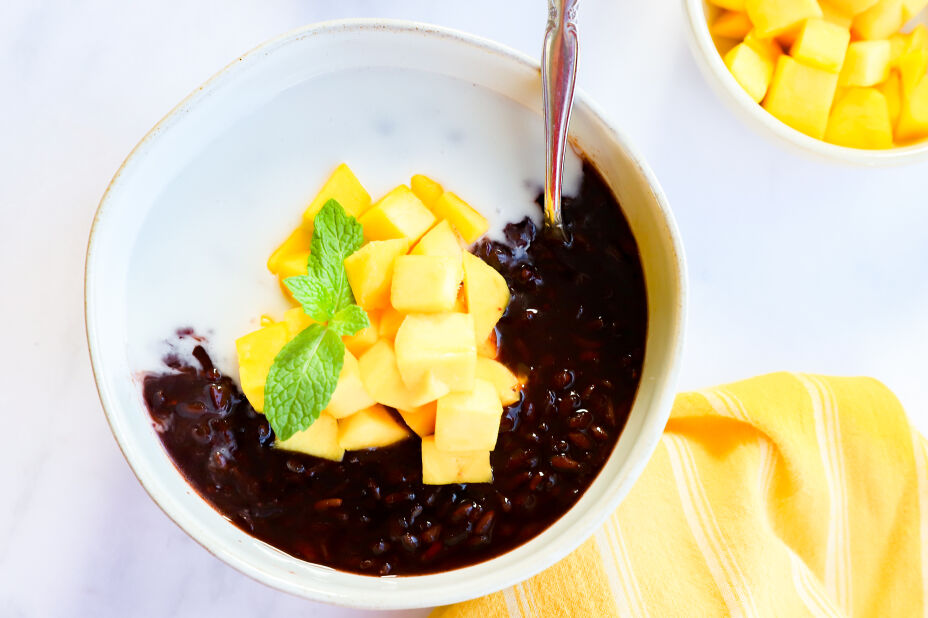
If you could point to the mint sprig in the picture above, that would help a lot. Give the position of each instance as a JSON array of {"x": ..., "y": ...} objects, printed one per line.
[{"x": 305, "y": 372}]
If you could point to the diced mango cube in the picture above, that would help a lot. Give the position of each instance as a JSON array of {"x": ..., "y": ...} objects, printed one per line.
[
  {"x": 860, "y": 119},
  {"x": 774, "y": 18},
  {"x": 800, "y": 96},
  {"x": 460, "y": 303},
  {"x": 296, "y": 320},
  {"x": 488, "y": 348},
  {"x": 370, "y": 271},
  {"x": 879, "y": 21},
  {"x": 425, "y": 283},
  {"x": 398, "y": 214},
  {"x": 731, "y": 25},
  {"x": 912, "y": 66},
  {"x": 913, "y": 117},
  {"x": 892, "y": 90},
  {"x": 343, "y": 187},
  {"x": 487, "y": 295},
  {"x": 507, "y": 385},
  {"x": 349, "y": 395},
  {"x": 426, "y": 189},
  {"x": 373, "y": 427},
  {"x": 911, "y": 8},
  {"x": 918, "y": 37},
  {"x": 822, "y": 45},
  {"x": 468, "y": 421},
  {"x": 360, "y": 342},
  {"x": 319, "y": 440},
  {"x": 256, "y": 354},
  {"x": 421, "y": 420},
  {"x": 442, "y": 468},
  {"x": 835, "y": 16},
  {"x": 291, "y": 257},
  {"x": 438, "y": 346},
  {"x": 852, "y": 7},
  {"x": 866, "y": 63},
  {"x": 768, "y": 49},
  {"x": 469, "y": 223},
  {"x": 382, "y": 380},
  {"x": 897, "y": 47},
  {"x": 750, "y": 70},
  {"x": 440, "y": 240},
  {"x": 390, "y": 323}
]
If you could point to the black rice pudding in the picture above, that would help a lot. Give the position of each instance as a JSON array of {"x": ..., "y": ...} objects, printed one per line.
[{"x": 575, "y": 327}]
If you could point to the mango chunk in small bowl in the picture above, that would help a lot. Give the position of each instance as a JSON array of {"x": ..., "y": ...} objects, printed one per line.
[{"x": 842, "y": 79}]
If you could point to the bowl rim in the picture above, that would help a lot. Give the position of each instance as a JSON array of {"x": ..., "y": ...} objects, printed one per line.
[
  {"x": 645, "y": 444},
  {"x": 713, "y": 68}
]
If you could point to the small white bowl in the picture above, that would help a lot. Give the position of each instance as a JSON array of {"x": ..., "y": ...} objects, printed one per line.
[
  {"x": 181, "y": 235},
  {"x": 698, "y": 14}
]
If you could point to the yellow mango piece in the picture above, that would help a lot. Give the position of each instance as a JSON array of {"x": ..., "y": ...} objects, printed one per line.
[
  {"x": 381, "y": 378},
  {"x": 319, "y": 440},
  {"x": 442, "y": 468},
  {"x": 421, "y": 420},
  {"x": 468, "y": 421},
  {"x": 892, "y": 90},
  {"x": 772, "y": 18},
  {"x": 911, "y": 8},
  {"x": 860, "y": 119},
  {"x": 370, "y": 271},
  {"x": 768, "y": 49},
  {"x": 360, "y": 342},
  {"x": 438, "y": 346},
  {"x": 800, "y": 96},
  {"x": 469, "y": 223},
  {"x": 256, "y": 353},
  {"x": 822, "y": 45},
  {"x": 835, "y": 16},
  {"x": 488, "y": 348},
  {"x": 289, "y": 259},
  {"x": 425, "y": 283},
  {"x": 731, "y": 5},
  {"x": 487, "y": 295},
  {"x": 897, "y": 46},
  {"x": 398, "y": 214},
  {"x": 507, "y": 385},
  {"x": 879, "y": 21},
  {"x": 912, "y": 66},
  {"x": 296, "y": 320},
  {"x": 345, "y": 188},
  {"x": 913, "y": 117},
  {"x": 917, "y": 38},
  {"x": 749, "y": 69},
  {"x": 731, "y": 25},
  {"x": 866, "y": 63},
  {"x": 373, "y": 427},
  {"x": 440, "y": 240},
  {"x": 390, "y": 323},
  {"x": 349, "y": 395},
  {"x": 426, "y": 189},
  {"x": 852, "y": 7}
]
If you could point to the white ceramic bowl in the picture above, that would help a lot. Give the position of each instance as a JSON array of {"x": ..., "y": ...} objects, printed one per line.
[
  {"x": 698, "y": 15},
  {"x": 183, "y": 230}
]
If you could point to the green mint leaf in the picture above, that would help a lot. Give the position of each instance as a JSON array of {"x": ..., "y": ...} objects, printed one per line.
[
  {"x": 312, "y": 293},
  {"x": 302, "y": 379},
  {"x": 336, "y": 236},
  {"x": 349, "y": 321}
]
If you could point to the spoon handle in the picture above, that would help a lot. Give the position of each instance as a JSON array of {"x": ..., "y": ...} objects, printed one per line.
[{"x": 558, "y": 74}]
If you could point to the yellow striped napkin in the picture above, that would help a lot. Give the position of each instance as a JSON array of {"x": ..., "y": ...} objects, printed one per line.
[{"x": 782, "y": 495}]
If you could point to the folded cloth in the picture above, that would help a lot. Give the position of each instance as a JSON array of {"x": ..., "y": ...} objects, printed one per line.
[{"x": 782, "y": 495}]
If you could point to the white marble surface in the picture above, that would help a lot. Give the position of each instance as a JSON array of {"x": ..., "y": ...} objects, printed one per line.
[{"x": 794, "y": 264}]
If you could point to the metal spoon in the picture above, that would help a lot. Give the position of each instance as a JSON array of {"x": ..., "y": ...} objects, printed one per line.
[{"x": 558, "y": 74}]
